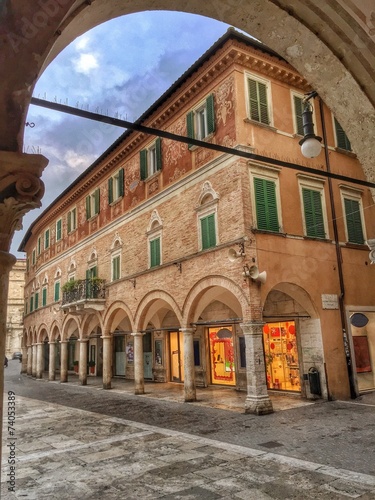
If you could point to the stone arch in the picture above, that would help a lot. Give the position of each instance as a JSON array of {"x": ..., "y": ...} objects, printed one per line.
[
  {"x": 117, "y": 314},
  {"x": 214, "y": 288},
  {"x": 341, "y": 53},
  {"x": 42, "y": 333},
  {"x": 153, "y": 307}
]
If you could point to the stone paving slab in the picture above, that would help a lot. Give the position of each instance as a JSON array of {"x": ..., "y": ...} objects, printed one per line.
[{"x": 69, "y": 453}]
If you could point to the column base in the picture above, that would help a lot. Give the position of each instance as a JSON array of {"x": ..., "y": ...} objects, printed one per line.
[{"x": 258, "y": 406}]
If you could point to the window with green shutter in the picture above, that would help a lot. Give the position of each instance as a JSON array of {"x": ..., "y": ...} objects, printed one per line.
[
  {"x": 341, "y": 138},
  {"x": 258, "y": 101},
  {"x": 200, "y": 122},
  {"x": 56, "y": 295},
  {"x": 44, "y": 296},
  {"x": 208, "y": 231},
  {"x": 266, "y": 205},
  {"x": 46, "y": 239},
  {"x": 155, "y": 252},
  {"x": 314, "y": 220},
  {"x": 298, "y": 110},
  {"x": 353, "y": 221},
  {"x": 116, "y": 268},
  {"x": 58, "y": 230}
]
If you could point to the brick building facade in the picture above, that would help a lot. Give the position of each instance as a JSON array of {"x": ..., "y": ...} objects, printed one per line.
[{"x": 174, "y": 262}]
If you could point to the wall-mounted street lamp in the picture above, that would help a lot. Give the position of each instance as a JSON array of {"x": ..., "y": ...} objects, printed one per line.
[{"x": 310, "y": 143}]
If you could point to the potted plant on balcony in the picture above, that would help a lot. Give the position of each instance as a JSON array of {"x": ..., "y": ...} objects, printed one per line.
[
  {"x": 75, "y": 366},
  {"x": 92, "y": 366}
]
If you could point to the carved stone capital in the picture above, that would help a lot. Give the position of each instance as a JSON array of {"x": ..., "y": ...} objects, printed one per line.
[{"x": 21, "y": 190}]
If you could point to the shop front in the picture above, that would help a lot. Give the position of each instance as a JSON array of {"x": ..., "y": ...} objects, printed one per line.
[{"x": 281, "y": 356}]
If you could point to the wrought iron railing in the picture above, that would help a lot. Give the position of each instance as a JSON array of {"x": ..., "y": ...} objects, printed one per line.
[{"x": 81, "y": 290}]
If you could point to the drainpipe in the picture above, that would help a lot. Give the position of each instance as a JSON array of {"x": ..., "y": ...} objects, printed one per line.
[{"x": 353, "y": 392}]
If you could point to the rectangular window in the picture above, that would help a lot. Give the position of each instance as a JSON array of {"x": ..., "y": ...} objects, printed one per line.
[
  {"x": 93, "y": 204},
  {"x": 208, "y": 231},
  {"x": 298, "y": 110},
  {"x": 46, "y": 239},
  {"x": 116, "y": 186},
  {"x": 44, "y": 296},
  {"x": 151, "y": 159},
  {"x": 116, "y": 274},
  {"x": 258, "y": 101},
  {"x": 266, "y": 205},
  {"x": 56, "y": 294},
  {"x": 72, "y": 220},
  {"x": 313, "y": 212},
  {"x": 342, "y": 140},
  {"x": 201, "y": 121},
  {"x": 58, "y": 230},
  {"x": 155, "y": 252},
  {"x": 353, "y": 221}
]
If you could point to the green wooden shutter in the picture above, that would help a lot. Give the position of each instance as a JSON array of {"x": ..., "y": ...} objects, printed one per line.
[
  {"x": 353, "y": 221},
  {"x": 342, "y": 139},
  {"x": 97, "y": 201},
  {"x": 121, "y": 177},
  {"x": 57, "y": 291},
  {"x": 69, "y": 220},
  {"x": 208, "y": 231},
  {"x": 266, "y": 205},
  {"x": 210, "y": 106},
  {"x": 46, "y": 239},
  {"x": 110, "y": 190},
  {"x": 58, "y": 230},
  {"x": 158, "y": 154},
  {"x": 44, "y": 297},
  {"x": 298, "y": 110},
  {"x": 190, "y": 127},
  {"x": 143, "y": 164},
  {"x": 258, "y": 101},
  {"x": 155, "y": 252},
  {"x": 312, "y": 204},
  {"x": 88, "y": 207}
]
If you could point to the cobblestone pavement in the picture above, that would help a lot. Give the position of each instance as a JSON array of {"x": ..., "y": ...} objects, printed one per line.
[{"x": 76, "y": 442}]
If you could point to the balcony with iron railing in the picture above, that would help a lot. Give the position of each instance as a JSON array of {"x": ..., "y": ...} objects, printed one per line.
[{"x": 84, "y": 296}]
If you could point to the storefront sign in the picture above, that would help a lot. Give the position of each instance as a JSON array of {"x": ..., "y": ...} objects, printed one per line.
[{"x": 330, "y": 301}]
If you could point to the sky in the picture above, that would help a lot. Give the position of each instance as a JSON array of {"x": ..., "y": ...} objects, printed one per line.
[{"x": 118, "y": 68}]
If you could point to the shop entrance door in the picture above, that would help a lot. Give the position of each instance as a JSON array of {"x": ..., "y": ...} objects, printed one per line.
[
  {"x": 222, "y": 356},
  {"x": 176, "y": 346},
  {"x": 281, "y": 356}
]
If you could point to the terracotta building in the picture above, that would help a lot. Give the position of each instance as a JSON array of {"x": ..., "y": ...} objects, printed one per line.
[{"x": 175, "y": 262}]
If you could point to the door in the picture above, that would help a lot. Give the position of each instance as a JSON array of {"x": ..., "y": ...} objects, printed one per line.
[
  {"x": 120, "y": 356},
  {"x": 147, "y": 355},
  {"x": 176, "y": 346},
  {"x": 222, "y": 355}
]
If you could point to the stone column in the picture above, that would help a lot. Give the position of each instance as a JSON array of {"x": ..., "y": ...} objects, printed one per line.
[
  {"x": 35, "y": 360},
  {"x": 29, "y": 359},
  {"x": 39, "y": 360},
  {"x": 189, "y": 368},
  {"x": 107, "y": 361},
  {"x": 24, "y": 351},
  {"x": 82, "y": 365},
  {"x": 139, "y": 381},
  {"x": 52, "y": 361},
  {"x": 257, "y": 399},
  {"x": 64, "y": 361}
]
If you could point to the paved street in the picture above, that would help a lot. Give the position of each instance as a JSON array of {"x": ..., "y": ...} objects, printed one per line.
[{"x": 83, "y": 442}]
